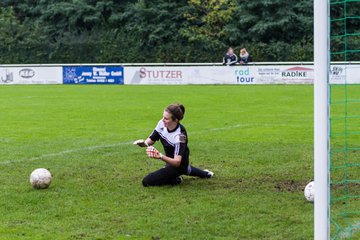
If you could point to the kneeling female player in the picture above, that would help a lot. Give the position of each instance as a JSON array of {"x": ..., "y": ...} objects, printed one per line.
[{"x": 173, "y": 137}]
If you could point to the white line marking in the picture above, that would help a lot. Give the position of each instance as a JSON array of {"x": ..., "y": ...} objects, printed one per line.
[
  {"x": 246, "y": 125},
  {"x": 88, "y": 148},
  {"x": 230, "y": 127}
]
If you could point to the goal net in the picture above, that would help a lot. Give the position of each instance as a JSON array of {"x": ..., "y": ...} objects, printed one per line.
[{"x": 344, "y": 117}]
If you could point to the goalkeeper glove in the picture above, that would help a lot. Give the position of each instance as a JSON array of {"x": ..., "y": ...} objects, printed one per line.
[
  {"x": 141, "y": 143},
  {"x": 153, "y": 153}
]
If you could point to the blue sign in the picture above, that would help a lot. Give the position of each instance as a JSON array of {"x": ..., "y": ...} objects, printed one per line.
[{"x": 93, "y": 75}]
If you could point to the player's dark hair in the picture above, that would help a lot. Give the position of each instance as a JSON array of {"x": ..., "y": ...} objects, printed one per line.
[{"x": 177, "y": 111}]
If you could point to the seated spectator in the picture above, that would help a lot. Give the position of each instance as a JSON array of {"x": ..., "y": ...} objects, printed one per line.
[
  {"x": 245, "y": 57},
  {"x": 230, "y": 58}
]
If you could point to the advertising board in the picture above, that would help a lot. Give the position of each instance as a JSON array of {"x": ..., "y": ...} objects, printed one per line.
[
  {"x": 31, "y": 75},
  {"x": 93, "y": 75}
]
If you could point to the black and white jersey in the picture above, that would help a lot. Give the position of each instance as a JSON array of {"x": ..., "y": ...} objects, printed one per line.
[{"x": 175, "y": 142}]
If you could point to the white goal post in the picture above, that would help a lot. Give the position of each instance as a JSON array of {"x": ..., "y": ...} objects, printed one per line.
[{"x": 321, "y": 120}]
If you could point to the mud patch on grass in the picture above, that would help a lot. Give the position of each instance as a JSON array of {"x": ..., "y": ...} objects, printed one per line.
[{"x": 290, "y": 186}]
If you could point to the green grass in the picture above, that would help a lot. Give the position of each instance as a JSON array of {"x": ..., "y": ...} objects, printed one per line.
[{"x": 257, "y": 139}]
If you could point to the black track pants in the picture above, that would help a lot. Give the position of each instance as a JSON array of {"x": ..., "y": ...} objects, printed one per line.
[{"x": 169, "y": 175}]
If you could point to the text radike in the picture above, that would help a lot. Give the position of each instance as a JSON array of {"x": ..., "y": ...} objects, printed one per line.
[{"x": 294, "y": 74}]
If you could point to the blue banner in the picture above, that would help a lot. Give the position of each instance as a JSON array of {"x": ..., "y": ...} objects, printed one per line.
[{"x": 93, "y": 75}]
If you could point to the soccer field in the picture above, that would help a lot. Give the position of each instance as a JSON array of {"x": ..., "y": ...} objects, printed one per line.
[{"x": 258, "y": 140}]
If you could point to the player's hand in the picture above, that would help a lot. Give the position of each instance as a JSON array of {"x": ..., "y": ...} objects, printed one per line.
[
  {"x": 140, "y": 143},
  {"x": 153, "y": 153}
]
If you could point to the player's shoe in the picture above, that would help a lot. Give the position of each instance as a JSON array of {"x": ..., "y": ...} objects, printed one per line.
[
  {"x": 210, "y": 174},
  {"x": 179, "y": 180}
]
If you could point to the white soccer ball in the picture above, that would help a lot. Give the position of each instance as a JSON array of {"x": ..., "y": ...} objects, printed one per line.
[
  {"x": 40, "y": 178},
  {"x": 309, "y": 191}
]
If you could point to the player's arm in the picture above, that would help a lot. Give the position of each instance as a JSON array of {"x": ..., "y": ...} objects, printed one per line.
[
  {"x": 175, "y": 162},
  {"x": 180, "y": 147},
  {"x": 141, "y": 143},
  {"x": 149, "y": 141},
  {"x": 154, "y": 153},
  {"x": 144, "y": 143}
]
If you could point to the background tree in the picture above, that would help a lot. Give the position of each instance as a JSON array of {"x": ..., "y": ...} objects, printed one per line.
[
  {"x": 205, "y": 25},
  {"x": 70, "y": 31},
  {"x": 274, "y": 30}
]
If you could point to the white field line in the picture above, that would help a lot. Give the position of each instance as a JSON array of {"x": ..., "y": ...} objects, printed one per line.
[
  {"x": 64, "y": 152},
  {"x": 90, "y": 148},
  {"x": 246, "y": 125}
]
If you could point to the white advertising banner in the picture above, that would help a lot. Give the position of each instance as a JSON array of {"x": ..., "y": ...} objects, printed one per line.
[
  {"x": 285, "y": 74},
  {"x": 31, "y": 75},
  {"x": 240, "y": 74},
  {"x": 340, "y": 74},
  {"x": 190, "y": 75},
  {"x": 274, "y": 74}
]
